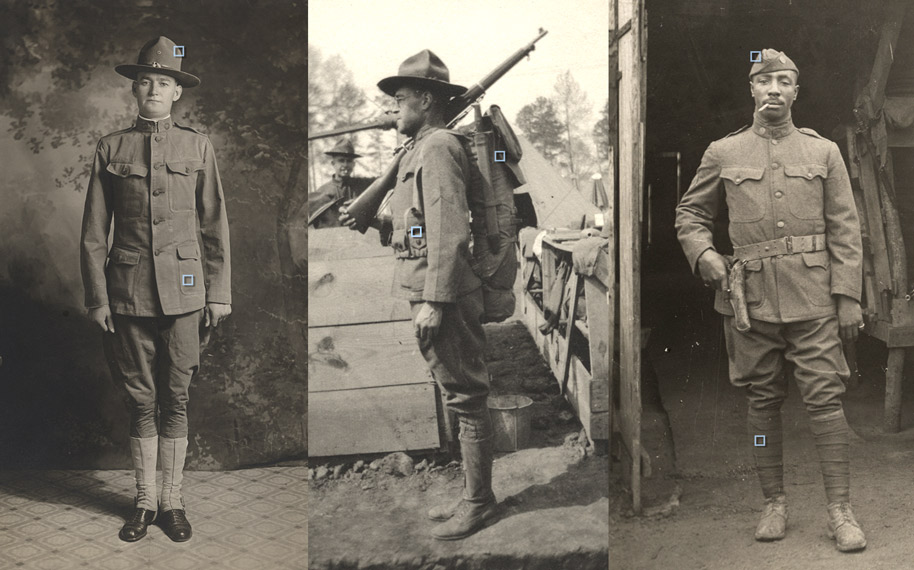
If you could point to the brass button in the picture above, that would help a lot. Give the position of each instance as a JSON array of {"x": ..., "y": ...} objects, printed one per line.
[
  {"x": 774, "y": 141},
  {"x": 774, "y": 165},
  {"x": 157, "y": 166},
  {"x": 159, "y": 139},
  {"x": 738, "y": 178},
  {"x": 779, "y": 256},
  {"x": 157, "y": 252},
  {"x": 778, "y": 194},
  {"x": 780, "y": 224},
  {"x": 187, "y": 168},
  {"x": 158, "y": 192},
  {"x": 167, "y": 126},
  {"x": 156, "y": 221},
  {"x": 761, "y": 130},
  {"x": 767, "y": 248},
  {"x": 125, "y": 170},
  {"x": 808, "y": 175}
]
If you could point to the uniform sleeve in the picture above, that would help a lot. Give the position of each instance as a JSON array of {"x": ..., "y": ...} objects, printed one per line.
[
  {"x": 94, "y": 236},
  {"x": 442, "y": 184},
  {"x": 214, "y": 230},
  {"x": 842, "y": 229},
  {"x": 699, "y": 208}
]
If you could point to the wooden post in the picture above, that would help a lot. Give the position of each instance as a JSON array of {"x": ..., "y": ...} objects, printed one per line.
[{"x": 891, "y": 422}]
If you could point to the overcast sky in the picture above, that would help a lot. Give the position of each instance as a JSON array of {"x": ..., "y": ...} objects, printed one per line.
[{"x": 472, "y": 37}]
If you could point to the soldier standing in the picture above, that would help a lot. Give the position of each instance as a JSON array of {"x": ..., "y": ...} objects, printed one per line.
[
  {"x": 794, "y": 228},
  {"x": 342, "y": 186},
  {"x": 431, "y": 242},
  {"x": 158, "y": 180}
]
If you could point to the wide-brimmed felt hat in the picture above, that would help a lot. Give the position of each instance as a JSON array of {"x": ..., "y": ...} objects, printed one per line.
[
  {"x": 343, "y": 148},
  {"x": 158, "y": 56},
  {"x": 424, "y": 69}
]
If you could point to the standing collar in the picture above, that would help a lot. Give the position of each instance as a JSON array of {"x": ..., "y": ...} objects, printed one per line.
[
  {"x": 153, "y": 125},
  {"x": 770, "y": 130}
]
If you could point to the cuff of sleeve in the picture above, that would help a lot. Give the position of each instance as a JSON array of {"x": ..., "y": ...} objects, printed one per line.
[
  {"x": 847, "y": 292},
  {"x": 219, "y": 299}
]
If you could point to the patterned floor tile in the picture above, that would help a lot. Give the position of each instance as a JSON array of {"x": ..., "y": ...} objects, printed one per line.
[{"x": 52, "y": 520}]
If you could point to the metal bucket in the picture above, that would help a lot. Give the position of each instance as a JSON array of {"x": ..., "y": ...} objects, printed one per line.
[{"x": 511, "y": 419}]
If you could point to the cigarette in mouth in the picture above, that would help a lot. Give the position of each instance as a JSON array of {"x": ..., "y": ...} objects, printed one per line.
[{"x": 763, "y": 107}]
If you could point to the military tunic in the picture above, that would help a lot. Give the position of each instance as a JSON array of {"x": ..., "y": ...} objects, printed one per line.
[
  {"x": 431, "y": 241},
  {"x": 159, "y": 183},
  {"x": 780, "y": 181}
]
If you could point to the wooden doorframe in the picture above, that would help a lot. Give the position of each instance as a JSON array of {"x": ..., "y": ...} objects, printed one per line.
[{"x": 629, "y": 33}]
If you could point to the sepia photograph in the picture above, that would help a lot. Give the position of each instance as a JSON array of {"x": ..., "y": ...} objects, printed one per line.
[
  {"x": 761, "y": 417},
  {"x": 152, "y": 308},
  {"x": 459, "y": 285}
]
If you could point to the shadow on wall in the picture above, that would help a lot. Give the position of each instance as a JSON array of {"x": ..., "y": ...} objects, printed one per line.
[{"x": 58, "y": 95}]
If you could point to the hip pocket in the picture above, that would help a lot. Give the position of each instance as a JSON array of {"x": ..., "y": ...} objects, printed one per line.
[
  {"x": 122, "y": 272},
  {"x": 190, "y": 269}
]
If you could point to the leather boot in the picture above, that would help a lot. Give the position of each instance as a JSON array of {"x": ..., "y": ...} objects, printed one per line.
[
  {"x": 171, "y": 509},
  {"x": 143, "y": 453},
  {"x": 478, "y": 506},
  {"x": 773, "y": 523},
  {"x": 844, "y": 528}
]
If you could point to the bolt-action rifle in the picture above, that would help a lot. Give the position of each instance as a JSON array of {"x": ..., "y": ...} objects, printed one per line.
[{"x": 363, "y": 209}]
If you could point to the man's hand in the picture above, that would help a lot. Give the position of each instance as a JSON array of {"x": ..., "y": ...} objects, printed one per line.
[
  {"x": 102, "y": 317},
  {"x": 428, "y": 320},
  {"x": 214, "y": 313},
  {"x": 713, "y": 269},
  {"x": 345, "y": 218},
  {"x": 850, "y": 318}
]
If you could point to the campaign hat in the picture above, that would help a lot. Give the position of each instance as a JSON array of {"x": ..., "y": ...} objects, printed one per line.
[
  {"x": 158, "y": 56},
  {"x": 343, "y": 148},
  {"x": 425, "y": 69}
]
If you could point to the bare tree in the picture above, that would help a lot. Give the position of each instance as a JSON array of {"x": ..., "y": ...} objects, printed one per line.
[{"x": 573, "y": 111}]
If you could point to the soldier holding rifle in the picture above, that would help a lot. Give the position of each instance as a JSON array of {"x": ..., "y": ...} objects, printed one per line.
[
  {"x": 794, "y": 284},
  {"x": 430, "y": 180}
]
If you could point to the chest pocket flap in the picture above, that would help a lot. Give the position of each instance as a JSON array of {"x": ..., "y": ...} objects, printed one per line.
[
  {"x": 125, "y": 169},
  {"x": 185, "y": 167},
  {"x": 739, "y": 174},
  {"x": 807, "y": 171}
]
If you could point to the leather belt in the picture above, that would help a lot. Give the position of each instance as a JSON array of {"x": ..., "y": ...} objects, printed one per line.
[{"x": 781, "y": 246}]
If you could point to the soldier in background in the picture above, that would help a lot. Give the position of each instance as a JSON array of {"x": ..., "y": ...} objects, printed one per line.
[
  {"x": 158, "y": 284},
  {"x": 341, "y": 188},
  {"x": 795, "y": 232}
]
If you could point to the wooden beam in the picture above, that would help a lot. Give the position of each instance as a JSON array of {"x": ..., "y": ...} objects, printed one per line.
[{"x": 891, "y": 422}]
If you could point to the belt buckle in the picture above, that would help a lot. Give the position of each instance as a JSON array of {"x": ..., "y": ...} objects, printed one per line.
[{"x": 789, "y": 241}]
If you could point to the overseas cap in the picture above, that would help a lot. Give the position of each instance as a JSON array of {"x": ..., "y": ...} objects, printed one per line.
[{"x": 773, "y": 60}]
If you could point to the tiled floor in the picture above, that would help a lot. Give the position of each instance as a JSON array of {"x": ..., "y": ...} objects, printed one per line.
[{"x": 65, "y": 520}]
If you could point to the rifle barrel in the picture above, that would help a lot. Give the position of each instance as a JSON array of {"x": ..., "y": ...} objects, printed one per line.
[{"x": 387, "y": 123}]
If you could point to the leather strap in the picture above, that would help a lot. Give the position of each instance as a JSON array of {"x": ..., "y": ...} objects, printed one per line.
[{"x": 782, "y": 246}]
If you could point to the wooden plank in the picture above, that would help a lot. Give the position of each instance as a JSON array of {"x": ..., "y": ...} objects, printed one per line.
[
  {"x": 364, "y": 356},
  {"x": 326, "y": 244},
  {"x": 596, "y": 299},
  {"x": 351, "y": 291},
  {"x": 373, "y": 420},
  {"x": 572, "y": 290},
  {"x": 579, "y": 395},
  {"x": 631, "y": 171},
  {"x": 875, "y": 225}
]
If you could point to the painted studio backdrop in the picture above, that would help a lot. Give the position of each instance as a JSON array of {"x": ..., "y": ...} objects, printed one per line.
[{"x": 58, "y": 94}]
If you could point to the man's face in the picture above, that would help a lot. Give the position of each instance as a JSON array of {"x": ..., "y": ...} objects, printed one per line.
[
  {"x": 778, "y": 89},
  {"x": 342, "y": 166},
  {"x": 155, "y": 94},
  {"x": 413, "y": 106}
]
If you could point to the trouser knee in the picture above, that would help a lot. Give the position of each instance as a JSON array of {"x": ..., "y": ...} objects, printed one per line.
[
  {"x": 142, "y": 420},
  {"x": 475, "y": 425}
]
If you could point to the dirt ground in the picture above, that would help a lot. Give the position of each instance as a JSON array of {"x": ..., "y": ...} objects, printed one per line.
[
  {"x": 553, "y": 493},
  {"x": 720, "y": 502}
]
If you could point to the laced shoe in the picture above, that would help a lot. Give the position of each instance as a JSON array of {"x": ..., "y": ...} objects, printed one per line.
[
  {"x": 773, "y": 523},
  {"x": 844, "y": 528}
]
